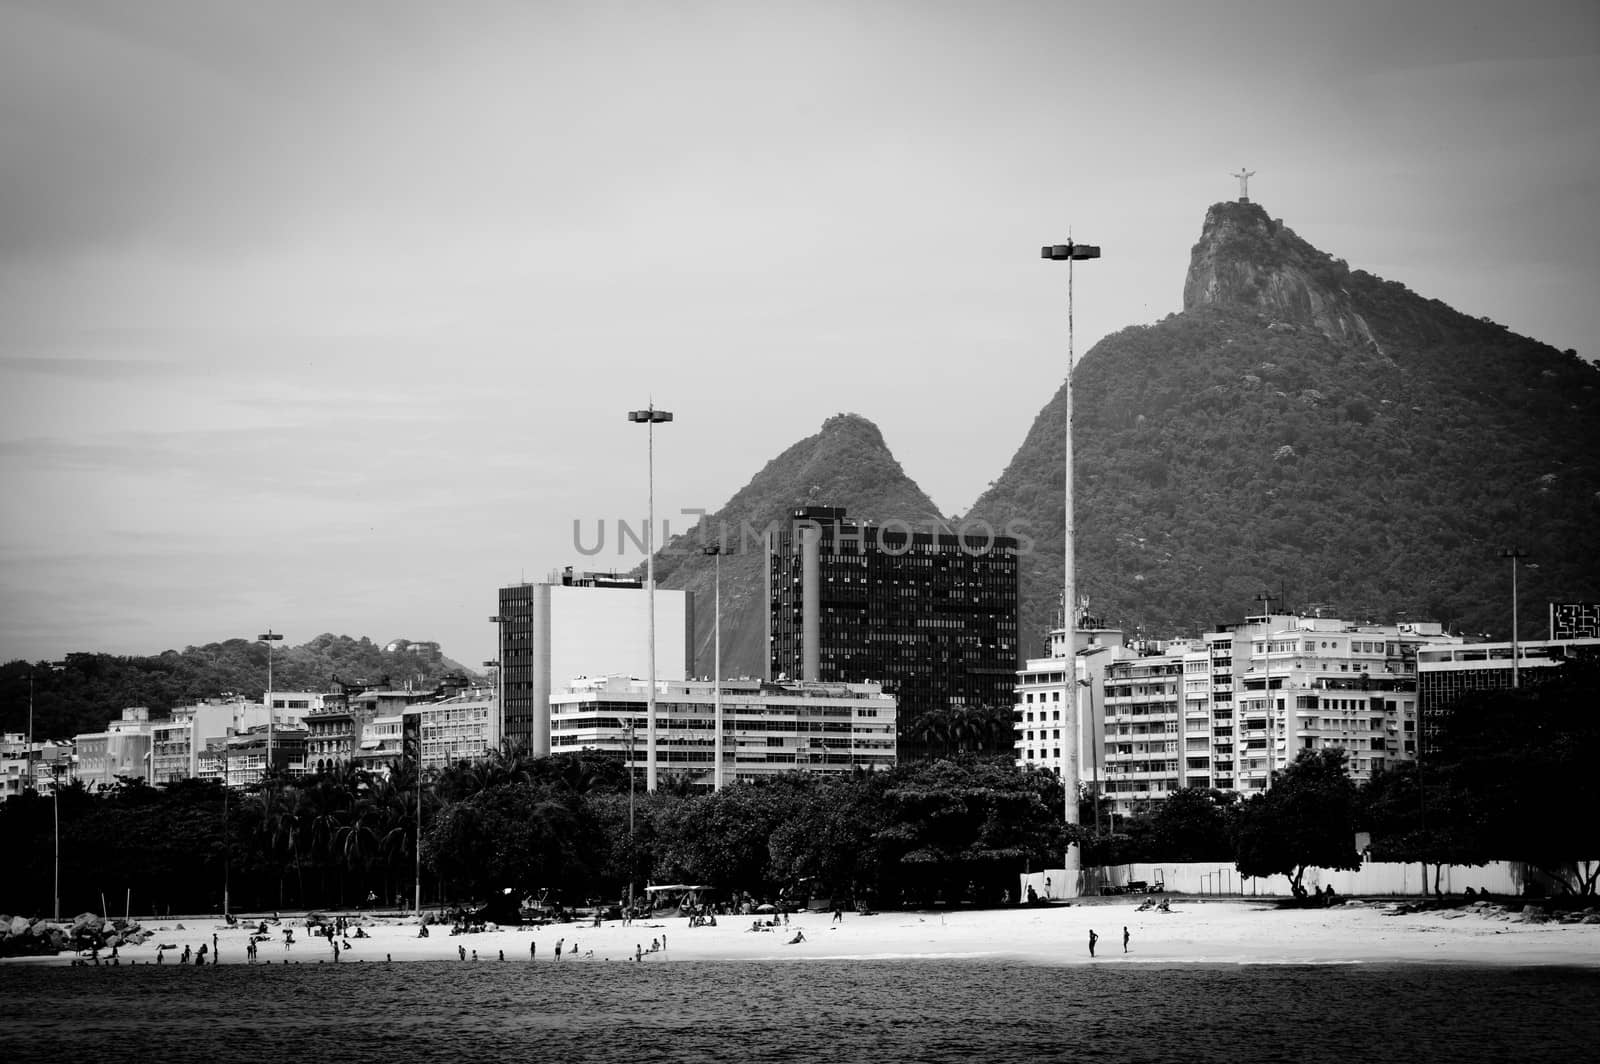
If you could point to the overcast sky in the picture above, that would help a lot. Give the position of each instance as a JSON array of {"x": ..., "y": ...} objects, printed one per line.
[{"x": 325, "y": 316}]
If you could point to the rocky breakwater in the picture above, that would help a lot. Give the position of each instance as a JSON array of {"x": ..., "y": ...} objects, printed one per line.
[{"x": 22, "y": 937}]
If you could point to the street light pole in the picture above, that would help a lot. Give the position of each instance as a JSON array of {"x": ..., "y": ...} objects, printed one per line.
[
  {"x": 1514, "y": 553},
  {"x": 50, "y": 666},
  {"x": 632, "y": 857},
  {"x": 650, "y": 417},
  {"x": 55, "y": 791},
  {"x": 269, "y": 637},
  {"x": 715, "y": 550},
  {"x": 1070, "y": 253}
]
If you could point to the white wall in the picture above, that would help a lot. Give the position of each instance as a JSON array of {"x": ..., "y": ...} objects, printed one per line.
[
  {"x": 1222, "y": 878},
  {"x": 602, "y": 631}
]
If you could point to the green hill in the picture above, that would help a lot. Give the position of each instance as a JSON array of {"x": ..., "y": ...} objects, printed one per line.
[
  {"x": 846, "y": 464},
  {"x": 94, "y": 688},
  {"x": 1308, "y": 429}
]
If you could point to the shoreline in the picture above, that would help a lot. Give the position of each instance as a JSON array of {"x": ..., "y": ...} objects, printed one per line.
[{"x": 1197, "y": 931}]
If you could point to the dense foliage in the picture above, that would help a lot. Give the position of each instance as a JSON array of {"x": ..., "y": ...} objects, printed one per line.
[
  {"x": 515, "y": 827},
  {"x": 1235, "y": 447},
  {"x": 87, "y": 690},
  {"x": 1511, "y": 777}
]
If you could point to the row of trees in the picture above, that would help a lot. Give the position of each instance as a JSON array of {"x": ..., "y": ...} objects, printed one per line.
[
  {"x": 512, "y": 827},
  {"x": 1508, "y": 772}
]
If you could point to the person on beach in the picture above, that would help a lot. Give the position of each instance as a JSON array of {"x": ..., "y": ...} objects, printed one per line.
[
  {"x": 838, "y": 914},
  {"x": 1093, "y": 938},
  {"x": 638, "y": 952},
  {"x": 533, "y": 951},
  {"x": 288, "y": 938},
  {"x": 1124, "y": 938},
  {"x": 799, "y": 936}
]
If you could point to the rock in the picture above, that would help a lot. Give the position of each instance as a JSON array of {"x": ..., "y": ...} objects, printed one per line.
[
  {"x": 1589, "y": 918},
  {"x": 19, "y": 926}
]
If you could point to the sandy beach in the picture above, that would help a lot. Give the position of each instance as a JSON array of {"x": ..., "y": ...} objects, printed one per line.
[{"x": 1196, "y": 931}]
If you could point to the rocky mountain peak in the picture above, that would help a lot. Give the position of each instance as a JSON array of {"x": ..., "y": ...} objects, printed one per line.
[{"x": 1247, "y": 259}]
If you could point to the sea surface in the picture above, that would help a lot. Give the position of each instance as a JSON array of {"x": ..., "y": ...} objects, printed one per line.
[{"x": 879, "y": 1011}]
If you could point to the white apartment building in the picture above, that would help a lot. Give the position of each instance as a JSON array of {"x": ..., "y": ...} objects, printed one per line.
[
  {"x": 1039, "y": 717},
  {"x": 1228, "y": 709},
  {"x": 769, "y": 727},
  {"x": 48, "y": 760},
  {"x": 123, "y": 749},
  {"x": 463, "y": 727},
  {"x": 179, "y": 743}
]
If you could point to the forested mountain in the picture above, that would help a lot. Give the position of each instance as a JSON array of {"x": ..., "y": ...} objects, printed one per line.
[
  {"x": 846, "y": 464},
  {"x": 1308, "y": 429},
  {"x": 94, "y": 688}
]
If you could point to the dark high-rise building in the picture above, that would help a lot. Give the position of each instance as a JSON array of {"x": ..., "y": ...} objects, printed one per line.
[{"x": 929, "y": 613}]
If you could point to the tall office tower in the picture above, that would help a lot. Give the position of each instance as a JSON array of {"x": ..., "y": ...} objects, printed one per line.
[
  {"x": 929, "y": 613},
  {"x": 581, "y": 624}
]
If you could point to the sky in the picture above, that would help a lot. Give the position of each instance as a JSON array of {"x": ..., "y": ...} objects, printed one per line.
[{"x": 326, "y": 317}]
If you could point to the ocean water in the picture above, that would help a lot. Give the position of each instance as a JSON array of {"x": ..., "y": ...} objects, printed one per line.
[{"x": 878, "y": 1011}]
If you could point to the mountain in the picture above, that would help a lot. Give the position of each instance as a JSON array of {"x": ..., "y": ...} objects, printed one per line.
[
  {"x": 845, "y": 464},
  {"x": 1306, "y": 429},
  {"x": 94, "y": 688}
]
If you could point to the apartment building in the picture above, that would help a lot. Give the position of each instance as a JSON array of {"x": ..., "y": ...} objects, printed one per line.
[{"x": 768, "y": 727}]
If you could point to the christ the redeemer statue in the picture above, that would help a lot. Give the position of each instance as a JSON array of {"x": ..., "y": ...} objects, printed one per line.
[{"x": 1244, "y": 177}]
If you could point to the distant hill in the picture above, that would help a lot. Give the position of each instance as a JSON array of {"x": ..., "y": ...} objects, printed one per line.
[
  {"x": 1306, "y": 428},
  {"x": 845, "y": 464},
  {"x": 94, "y": 688}
]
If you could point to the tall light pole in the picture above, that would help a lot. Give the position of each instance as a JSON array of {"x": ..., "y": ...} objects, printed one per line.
[
  {"x": 55, "y": 792},
  {"x": 50, "y": 666},
  {"x": 632, "y": 857},
  {"x": 1514, "y": 553},
  {"x": 1265, "y": 598},
  {"x": 715, "y": 550},
  {"x": 650, "y": 417},
  {"x": 1070, "y": 253},
  {"x": 27, "y": 779},
  {"x": 268, "y": 637}
]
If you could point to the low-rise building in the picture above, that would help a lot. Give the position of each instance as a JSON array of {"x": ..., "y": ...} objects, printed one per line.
[
  {"x": 122, "y": 750},
  {"x": 769, "y": 727},
  {"x": 462, "y": 727},
  {"x": 1446, "y": 673}
]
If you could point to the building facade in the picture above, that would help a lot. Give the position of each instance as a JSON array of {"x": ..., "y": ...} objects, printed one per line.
[
  {"x": 461, "y": 727},
  {"x": 930, "y": 615},
  {"x": 1226, "y": 710},
  {"x": 581, "y": 624},
  {"x": 768, "y": 727},
  {"x": 1445, "y": 673},
  {"x": 122, "y": 750}
]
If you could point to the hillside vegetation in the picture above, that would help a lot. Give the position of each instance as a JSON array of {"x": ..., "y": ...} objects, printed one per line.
[
  {"x": 1356, "y": 447},
  {"x": 94, "y": 688}
]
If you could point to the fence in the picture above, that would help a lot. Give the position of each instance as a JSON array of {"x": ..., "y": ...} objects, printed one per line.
[{"x": 1224, "y": 880}]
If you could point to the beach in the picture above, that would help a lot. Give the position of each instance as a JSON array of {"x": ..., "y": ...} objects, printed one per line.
[{"x": 1211, "y": 931}]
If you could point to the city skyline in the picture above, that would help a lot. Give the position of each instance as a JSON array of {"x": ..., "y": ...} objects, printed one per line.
[{"x": 310, "y": 326}]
